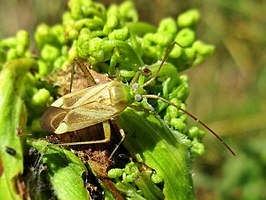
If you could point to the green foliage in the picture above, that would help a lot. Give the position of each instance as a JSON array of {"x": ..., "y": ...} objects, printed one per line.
[
  {"x": 113, "y": 41},
  {"x": 13, "y": 119},
  {"x": 166, "y": 153},
  {"x": 64, "y": 170}
]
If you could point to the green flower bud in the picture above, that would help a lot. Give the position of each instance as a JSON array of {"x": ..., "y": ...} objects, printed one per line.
[
  {"x": 91, "y": 9},
  {"x": 163, "y": 39},
  {"x": 197, "y": 149},
  {"x": 112, "y": 10},
  {"x": 23, "y": 37},
  {"x": 70, "y": 30},
  {"x": 119, "y": 34},
  {"x": 131, "y": 168},
  {"x": 201, "y": 134},
  {"x": 128, "y": 11},
  {"x": 67, "y": 18},
  {"x": 178, "y": 124},
  {"x": 189, "y": 53},
  {"x": 42, "y": 35},
  {"x": 23, "y": 41},
  {"x": 12, "y": 54},
  {"x": 64, "y": 51},
  {"x": 172, "y": 111},
  {"x": 202, "y": 48},
  {"x": 8, "y": 42},
  {"x": 49, "y": 53},
  {"x": 111, "y": 23},
  {"x": 185, "y": 37},
  {"x": 41, "y": 97},
  {"x": 105, "y": 39},
  {"x": 129, "y": 178},
  {"x": 115, "y": 173},
  {"x": 188, "y": 18},
  {"x": 168, "y": 25},
  {"x": 176, "y": 52},
  {"x": 148, "y": 38},
  {"x": 72, "y": 53},
  {"x": 75, "y": 9},
  {"x": 58, "y": 63},
  {"x": 202, "y": 51},
  {"x": 43, "y": 68},
  {"x": 20, "y": 50},
  {"x": 95, "y": 49},
  {"x": 193, "y": 132},
  {"x": 92, "y": 24},
  {"x": 83, "y": 43},
  {"x": 58, "y": 32}
]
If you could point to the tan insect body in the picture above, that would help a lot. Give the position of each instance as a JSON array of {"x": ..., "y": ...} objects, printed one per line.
[{"x": 89, "y": 106}]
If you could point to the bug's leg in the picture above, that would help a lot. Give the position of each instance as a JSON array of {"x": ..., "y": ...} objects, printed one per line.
[
  {"x": 135, "y": 78},
  {"x": 122, "y": 133},
  {"x": 71, "y": 78},
  {"x": 106, "y": 131},
  {"x": 86, "y": 71},
  {"x": 142, "y": 71},
  {"x": 107, "y": 137},
  {"x": 143, "y": 109},
  {"x": 161, "y": 65}
]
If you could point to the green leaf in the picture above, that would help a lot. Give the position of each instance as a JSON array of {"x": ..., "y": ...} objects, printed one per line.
[
  {"x": 64, "y": 169},
  {"x": 152, "y": 142},
  {"x": 13, "y": 117}
]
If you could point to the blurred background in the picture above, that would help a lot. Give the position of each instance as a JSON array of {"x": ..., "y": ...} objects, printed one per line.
[{"x": 228, "y": 90}]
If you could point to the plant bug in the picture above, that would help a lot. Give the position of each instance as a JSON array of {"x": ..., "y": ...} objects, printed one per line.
[
  {"x": 51, "y": 119},
  {"x": 102, "y": 102}
]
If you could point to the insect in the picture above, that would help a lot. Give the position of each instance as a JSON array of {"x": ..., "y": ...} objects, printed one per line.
[
  {"x": 11, "y": 151},
  {"x": 52, "y": 118},
  {"x": 102, "y": 102}
]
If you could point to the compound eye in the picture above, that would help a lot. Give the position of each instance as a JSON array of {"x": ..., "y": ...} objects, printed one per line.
[
  {"x": 138, "y": 98},
  {"x": 135, "y": 86}
]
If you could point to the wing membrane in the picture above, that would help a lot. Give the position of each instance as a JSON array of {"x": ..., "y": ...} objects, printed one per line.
[
  {"x": 82, "y": 117},
  {"x": 86, "y": 96},
  {"x": 89, "y": 106}
]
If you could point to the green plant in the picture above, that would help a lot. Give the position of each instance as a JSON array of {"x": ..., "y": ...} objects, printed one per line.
[{"x": 113, "y": 41}]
